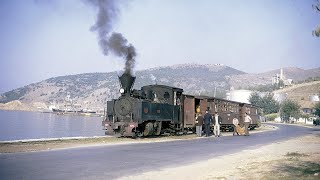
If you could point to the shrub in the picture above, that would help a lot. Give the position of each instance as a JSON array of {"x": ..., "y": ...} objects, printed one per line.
[{"x": 271, "y": 117}]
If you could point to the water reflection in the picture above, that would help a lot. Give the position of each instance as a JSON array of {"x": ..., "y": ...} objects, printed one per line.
[{"x": 16, "y": 125}]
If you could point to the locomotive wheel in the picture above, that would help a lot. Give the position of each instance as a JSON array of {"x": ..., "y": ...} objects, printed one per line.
[
  {"x": 134, "y": 136},
  {"x": 148, "y": 129},
  {"x": 159, "y": 126}
]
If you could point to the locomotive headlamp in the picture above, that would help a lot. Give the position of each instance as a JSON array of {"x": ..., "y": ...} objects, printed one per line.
[{"x": 121, "y": 90}]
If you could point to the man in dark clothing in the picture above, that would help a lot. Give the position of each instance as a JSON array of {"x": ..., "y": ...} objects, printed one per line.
[{"x": 207, "y": 120}]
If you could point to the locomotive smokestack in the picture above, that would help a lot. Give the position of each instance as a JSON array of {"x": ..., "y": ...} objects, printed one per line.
[{"x": 126, "y": 81}]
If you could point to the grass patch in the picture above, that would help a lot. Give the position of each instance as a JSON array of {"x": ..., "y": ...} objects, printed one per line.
[
  {"x": 287, "y": 169},
  {"x": 295, "y": 154},
  {"x": 293, "y": 165},
  {"x": 301, "y": 170}
]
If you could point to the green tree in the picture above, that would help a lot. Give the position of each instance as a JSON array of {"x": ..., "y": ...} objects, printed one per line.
[
  {"x": 255, "y": 99},
  {"x": 267, "y": 103},
  {"x": 289, "y": 109},
  {"x": 317, "y": 109},
  {"x": 270, "y": 105}
]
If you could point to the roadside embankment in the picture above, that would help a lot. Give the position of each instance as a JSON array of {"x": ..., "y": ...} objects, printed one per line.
[
  {"x": 74, "y": 142},
  {"x": 63, "y": 143}
]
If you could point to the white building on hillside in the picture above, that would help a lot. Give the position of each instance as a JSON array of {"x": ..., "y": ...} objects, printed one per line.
[
  {"x": 276, "y": 79},
  {"x": 241, "y": 95}
]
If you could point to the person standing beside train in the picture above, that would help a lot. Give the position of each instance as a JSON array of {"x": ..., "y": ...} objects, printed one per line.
[
  {"x": 216, "y": 122},
  {"x": 207, "y": 120},
  {"x": 247, "y": 121},
  {"x": 235, "y": 123},
  {"x": 199, "y": 123}
]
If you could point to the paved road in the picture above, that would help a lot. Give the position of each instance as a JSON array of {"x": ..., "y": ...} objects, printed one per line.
[{"x": 110, "y": 162}]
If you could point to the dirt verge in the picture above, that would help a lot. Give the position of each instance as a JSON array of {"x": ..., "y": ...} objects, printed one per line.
[{"x": 39, "y": 145}]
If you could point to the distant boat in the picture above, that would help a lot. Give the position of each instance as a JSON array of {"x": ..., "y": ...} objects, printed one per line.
[
  {"x": 57, "y": 110},
  {"x": 69, "y": 106},
  {"x": 66, "y": 110}
]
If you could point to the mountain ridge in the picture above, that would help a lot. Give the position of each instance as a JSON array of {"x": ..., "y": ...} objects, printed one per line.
[{"x": 94, "y": 89}]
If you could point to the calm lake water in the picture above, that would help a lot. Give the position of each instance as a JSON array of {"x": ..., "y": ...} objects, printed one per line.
[{"x": 18, "y": 125}]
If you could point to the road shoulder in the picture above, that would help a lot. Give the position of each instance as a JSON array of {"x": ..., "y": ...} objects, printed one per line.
[
  {"x": 67, "y": 143},
  {"x": 298, "y": 158}
]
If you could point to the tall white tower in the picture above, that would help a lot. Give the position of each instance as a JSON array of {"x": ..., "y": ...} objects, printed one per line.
[{"x": 281, "y": 74}]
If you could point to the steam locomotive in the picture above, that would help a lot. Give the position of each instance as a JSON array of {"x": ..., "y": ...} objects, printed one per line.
[{"x": 157, "y": 109}]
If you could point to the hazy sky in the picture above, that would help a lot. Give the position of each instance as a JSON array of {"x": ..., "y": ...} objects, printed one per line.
[{"x": 47, "y": 38}]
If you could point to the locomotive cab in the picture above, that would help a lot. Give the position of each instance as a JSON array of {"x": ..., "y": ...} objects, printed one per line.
[
  {"x": 163, "y": 111},
  {"x": 163, "y": 94}
]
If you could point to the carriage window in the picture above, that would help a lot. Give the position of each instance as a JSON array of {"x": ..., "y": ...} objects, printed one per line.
[{"x": 166, "y": 95}]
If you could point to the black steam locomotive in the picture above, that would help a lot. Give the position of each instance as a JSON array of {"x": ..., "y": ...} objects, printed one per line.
[{"x": 156, "y": 109}]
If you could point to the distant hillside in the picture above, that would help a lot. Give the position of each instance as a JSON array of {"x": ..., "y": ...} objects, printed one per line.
[
  {"x": 94, "y": 89},
  {"x": 193, "y": 78},
  {"x": 297, "y": 74},
  {"x": 301, "y": 93}
]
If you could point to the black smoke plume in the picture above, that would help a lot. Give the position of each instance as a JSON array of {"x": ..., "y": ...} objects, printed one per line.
[{"x": 112, "y": 42}]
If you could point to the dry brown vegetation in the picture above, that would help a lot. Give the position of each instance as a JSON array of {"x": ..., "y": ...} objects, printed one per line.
[{"x": 300, "y": 93}]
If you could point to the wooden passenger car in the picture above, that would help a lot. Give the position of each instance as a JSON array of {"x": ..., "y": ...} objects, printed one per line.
[{"x": 226, "y": 109}]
